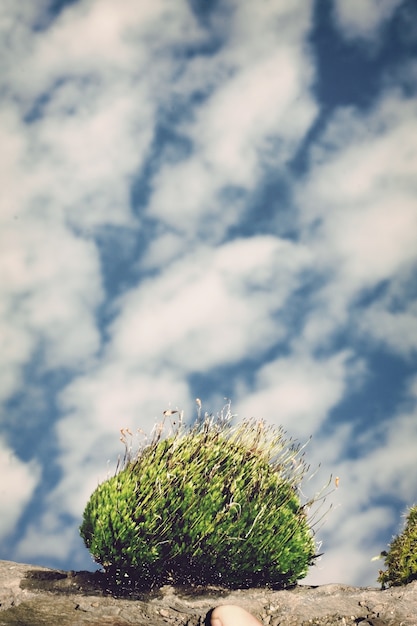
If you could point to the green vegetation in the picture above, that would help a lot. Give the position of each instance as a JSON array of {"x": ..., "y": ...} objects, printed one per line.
[
  {"x": 401, "y": 558},
  {"x": 211, "y": 503}
]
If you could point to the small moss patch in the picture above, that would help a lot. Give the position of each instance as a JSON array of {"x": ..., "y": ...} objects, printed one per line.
[
  {"x": 401, "y": 558},
  {"x": 211, "y": 504}
]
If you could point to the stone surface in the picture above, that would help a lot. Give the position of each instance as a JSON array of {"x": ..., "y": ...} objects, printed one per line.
[{"x": 31, "y": 595}]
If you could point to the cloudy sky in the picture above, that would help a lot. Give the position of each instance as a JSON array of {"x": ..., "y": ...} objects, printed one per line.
[{"x": 208, "y": 199}]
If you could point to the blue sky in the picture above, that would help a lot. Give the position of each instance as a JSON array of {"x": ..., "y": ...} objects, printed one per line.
[{"x": 208, "y": 200}]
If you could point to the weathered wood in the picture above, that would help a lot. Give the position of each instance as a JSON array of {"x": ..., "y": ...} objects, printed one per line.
[{"x": 39, "y": 596}]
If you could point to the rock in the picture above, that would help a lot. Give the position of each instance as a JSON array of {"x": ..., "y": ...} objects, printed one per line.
[{"x": 31, "y": 595}]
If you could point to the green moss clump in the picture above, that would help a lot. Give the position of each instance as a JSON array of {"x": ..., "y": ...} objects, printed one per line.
[
  {"x": 211, "y": 504},
  {"x": 401, "y": 558}
]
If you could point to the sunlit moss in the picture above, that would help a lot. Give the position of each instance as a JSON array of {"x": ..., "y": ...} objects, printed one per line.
[
  {"x": 209, "y": 504},
  {"x": 401, "y": 558}
]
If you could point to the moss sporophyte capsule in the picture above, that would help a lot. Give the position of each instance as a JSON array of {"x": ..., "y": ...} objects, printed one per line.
[{"x": 213, "y": 503}]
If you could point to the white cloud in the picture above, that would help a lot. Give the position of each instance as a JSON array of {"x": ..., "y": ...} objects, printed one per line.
[
  {"x": 298, "y": 391},
  {"x": 212, "y": 307},
  {"x": 231, "y": 137},
  {"x": 384, "y": 470},
  {"x": 166, "y": 249},
  {"x": 93, "y": 102},
  {"x": 397, "y": 330},
  {"x": 18, "y": 482},
  {"x": 389, "y": 464},
  {"x": 109, "y": 40},
  {"x": 258, "y": 111},
  {"x": 50, "y": 538},
  {"x": 363, "y": 19},
  {"x": 353, "y": 159},
  {"x": 71, "y": 165},
  {"x": 82, "y": 152},
  {"x": 372, "y": 241},
  {"x": 50, "y": 280},
  {"x": 16, "y": 346},
  {"x": 359, "y": 530},
  {"x": 357, "y": 207},
  {"x": 14, "y": 142}
]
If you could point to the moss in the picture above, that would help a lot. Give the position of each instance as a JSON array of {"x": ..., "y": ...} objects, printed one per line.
[
  {"x": 211, "y": 504},
  {"x": 401, "y": 558}
]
